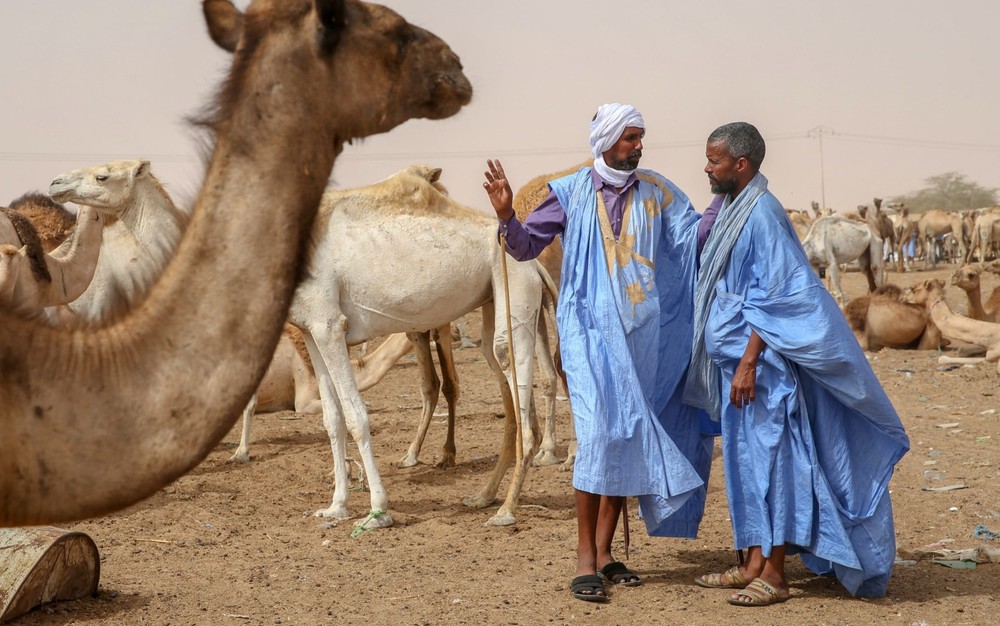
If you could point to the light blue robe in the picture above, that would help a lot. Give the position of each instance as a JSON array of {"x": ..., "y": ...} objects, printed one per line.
[
  {"x": 625, "y": 331},
  {"x": 808, "y": 463}
]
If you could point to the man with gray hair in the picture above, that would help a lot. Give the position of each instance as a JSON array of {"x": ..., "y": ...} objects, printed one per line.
[
  {"x": 629, "y": 240},
  {"x": 809, "y": 437}
]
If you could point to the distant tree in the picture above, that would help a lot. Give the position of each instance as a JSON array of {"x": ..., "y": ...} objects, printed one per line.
[{"x": 949, "y": 191}]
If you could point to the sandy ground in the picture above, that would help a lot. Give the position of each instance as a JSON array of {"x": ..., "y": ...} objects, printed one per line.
[{"x": 235, "y": 545}]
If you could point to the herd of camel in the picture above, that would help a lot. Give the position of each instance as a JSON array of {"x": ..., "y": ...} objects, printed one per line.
[{"x": 140, "y": 331}]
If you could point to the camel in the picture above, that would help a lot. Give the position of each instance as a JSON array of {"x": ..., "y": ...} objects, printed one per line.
[
  {"x": 52, "y": 220},
  {"x": 930, "y": 293},
  {"x": 52, "y": 278},
  {"x": 967, "y": 279},
  {"x": 935, "y": 223},
  {"x": 11, "y": 259},
  {"x": 903, "y": 226},
  {"x": 436, "y": 261},
  {"x": 800, "y": 221},
  {"x": 833, "y": 240},
  {"x": 881, "y": 224},
  {"x": 985, "y": 234},
  {"x": 140, "y": 237},
  {"x": 880, "y": 320},
  {"x": 158, "y": 388}
]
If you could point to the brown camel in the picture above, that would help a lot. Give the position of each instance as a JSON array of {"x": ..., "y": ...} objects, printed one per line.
[
  {"x": 937, "y": 222},
  {"x": 930, "y": 294},
  {"x": 880, "y": 223},
  {"x": 52, "y": 220},
  {"x": 903, "y": 226},
  {"x": 880, "y": 320},
  {"x": 967, "y": 279},
  {"x": 94, "y": 420}
]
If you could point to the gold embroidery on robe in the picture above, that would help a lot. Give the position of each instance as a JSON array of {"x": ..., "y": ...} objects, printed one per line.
[{"x": 622, "y": 250}]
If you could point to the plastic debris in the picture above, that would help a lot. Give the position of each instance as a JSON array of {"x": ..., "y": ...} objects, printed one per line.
[
  {"x": 955, "y": 564},
  {"x": 984, "y": 533},
  {"x": 945, "y": 487}
]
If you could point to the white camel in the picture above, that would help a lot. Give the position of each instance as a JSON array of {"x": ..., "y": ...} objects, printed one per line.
[
  {"x": 407, "y": 258},
  {"x": 935, "y": 223},
  {"x": 985, "y": 233},
  {"x": 141, "y": 236},
  {"x": 51, "y": 279},
  {"x": 834, "y": 239},
  {"x": 143, "y": 229}
]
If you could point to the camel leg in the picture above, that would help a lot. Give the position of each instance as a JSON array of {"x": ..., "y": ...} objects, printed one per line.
[
  {"x": 550, "y": 384},
  {"x": 429, "y": 387},
  {"x": 329, "y": 341},
  {"x": 373, "y": 367},
  {"x": 525, "y": 302},
  {"x": 487, "y": 494},
  {"x": 242, "y": 454},
  {"x": 450, "y": 389}
]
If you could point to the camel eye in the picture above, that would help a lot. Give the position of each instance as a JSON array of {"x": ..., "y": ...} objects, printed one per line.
[{"x": 101, "y": 178}]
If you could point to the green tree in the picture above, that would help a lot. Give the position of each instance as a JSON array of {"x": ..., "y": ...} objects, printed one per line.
[{"x": 950, "y": 191}]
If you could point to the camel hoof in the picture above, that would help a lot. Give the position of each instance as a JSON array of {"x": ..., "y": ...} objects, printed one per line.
[
  {"x": 335, "y": 512},
  {"x": 477, "y": 501},
  {"x": 567, "y": 465},
  {"x": 502, "y": 518},
  {"x": 375, "y": 521},
  {"x": 239, "y": 457},
  {"x": 447, "y": 461},
  {"x": 406, "y": 461},
  {"x": 545, "y": 457}
]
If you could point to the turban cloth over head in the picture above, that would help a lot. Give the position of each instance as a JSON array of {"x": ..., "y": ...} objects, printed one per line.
[{"x": 611, "y": 121}]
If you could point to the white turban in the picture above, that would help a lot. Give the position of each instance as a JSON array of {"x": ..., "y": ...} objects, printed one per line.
[{"x": 610, "y": 123}]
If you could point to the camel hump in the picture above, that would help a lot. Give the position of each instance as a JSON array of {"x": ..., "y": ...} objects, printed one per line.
[
  {"x": 534, "y": 192},
  {"x": 53, "y": 222},
  {"x": 28, "y": 236}
]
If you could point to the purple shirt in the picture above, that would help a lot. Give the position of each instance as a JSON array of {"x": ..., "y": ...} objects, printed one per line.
[
  {"x": 526, "y": 241},
  {"x": 708, "y": 219}
]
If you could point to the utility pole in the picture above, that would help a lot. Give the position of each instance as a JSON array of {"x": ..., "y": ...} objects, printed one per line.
[{"x": 818, "y": 132}]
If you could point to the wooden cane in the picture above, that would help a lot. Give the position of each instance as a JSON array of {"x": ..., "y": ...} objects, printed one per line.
[{"x": 519, "y": 453}]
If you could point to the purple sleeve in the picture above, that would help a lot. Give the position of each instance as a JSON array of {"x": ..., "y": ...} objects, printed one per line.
[
  {"x": 526, "y": 241},
  {"x": 708, "y": 219}
]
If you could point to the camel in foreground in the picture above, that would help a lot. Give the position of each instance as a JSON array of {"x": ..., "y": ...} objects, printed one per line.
[
  {"x": 880, "y": 320},
  {"x": 833, "y": 240},
  {"x": 94, "y": 420},
  {"x": 401, "y": 256},
  {"x": 930, "y": 294}
]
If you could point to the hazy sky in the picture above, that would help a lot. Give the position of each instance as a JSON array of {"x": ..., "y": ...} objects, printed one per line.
[{"x": 899, "y": 89}]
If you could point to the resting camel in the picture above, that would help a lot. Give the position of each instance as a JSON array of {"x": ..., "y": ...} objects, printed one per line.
[
  {"x": 158, "y": 388},
  {"x": 967, "y": 279},
  {"x": 880, "y": 320},
  {"x": 930, "y": 293},
  {"x": 436, "y": 261},
  {"x": 800, "y": 221},
  {"x": 833, "y": 240},
  {"x": 52, "y": 220},
  {"x": 51, "y": 279}
]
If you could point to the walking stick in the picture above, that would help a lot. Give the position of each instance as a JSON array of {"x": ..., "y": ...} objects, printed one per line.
[{"x": 519, "y": 453}]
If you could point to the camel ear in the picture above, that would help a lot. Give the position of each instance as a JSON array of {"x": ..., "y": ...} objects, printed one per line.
[
  {"x": 435, "y": 174},
  {"x": 332, "y": 19},
  {"x": 225, "y": 23},
  {"x": 140, "y": 169}
]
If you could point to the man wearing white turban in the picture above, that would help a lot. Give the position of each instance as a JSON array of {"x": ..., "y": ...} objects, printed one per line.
[{"x": 624, "y": 319}]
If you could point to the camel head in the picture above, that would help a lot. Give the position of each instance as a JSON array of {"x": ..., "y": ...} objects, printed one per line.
[
  {"x": 367, "y": 69},
  {"x": 926, "y": 293},
  {"x": 878, "y": 203},
  {"x": 966, "y": 278},
  {"x": 863, "y": 210},
  {"x": 108, "y": 188}
]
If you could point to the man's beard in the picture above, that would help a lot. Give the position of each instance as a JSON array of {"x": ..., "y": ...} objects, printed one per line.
[
  {"x": 627, "y": 164},
  {"x": 722, "y": 186}
]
